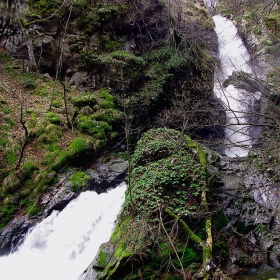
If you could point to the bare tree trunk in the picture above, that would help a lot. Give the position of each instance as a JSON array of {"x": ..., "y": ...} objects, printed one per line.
[
  {"x": 26, "y": 134},
  {"x": 69, "y": 123}
]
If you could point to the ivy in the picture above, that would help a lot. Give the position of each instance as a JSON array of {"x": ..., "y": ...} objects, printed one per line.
[{"x": 166, "y": 172}]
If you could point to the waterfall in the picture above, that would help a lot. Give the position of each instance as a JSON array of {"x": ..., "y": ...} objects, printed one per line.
[
  {"x": 62, "y": 245},
  {"x": 233, "y": 57}
]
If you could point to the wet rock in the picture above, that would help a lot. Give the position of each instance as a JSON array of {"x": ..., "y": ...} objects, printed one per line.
[
  {"x": 12, "y": 235},
  {"x": 111, "y": 173},
  {"x": 262, "y": 190},
  {"x": 58, "y": 200},
  {"x": 104, "y": 255}
]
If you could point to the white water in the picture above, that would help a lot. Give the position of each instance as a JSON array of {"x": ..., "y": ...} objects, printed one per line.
[
  {"x": 61, "y": 246},
  {"x": 233, "y": 57}
]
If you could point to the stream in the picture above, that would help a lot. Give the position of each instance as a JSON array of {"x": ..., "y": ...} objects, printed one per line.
[
  {"x": 63, "y": 244},
  {"x": 233, "y": 58}
]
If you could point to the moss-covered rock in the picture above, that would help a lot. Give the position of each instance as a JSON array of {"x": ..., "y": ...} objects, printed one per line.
[{"x": 167, "y": 180}]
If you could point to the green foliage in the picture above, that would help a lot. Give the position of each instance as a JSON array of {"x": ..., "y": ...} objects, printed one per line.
[
  {"x": 272, "y": 21},
  {"x": 166, "y": 172},
  {"x": 112, "y": 45},
  {"x": 127, "y": 57},
  {"x": 29, "y": 81},
  {"x": 110, "y": 116},
  {"x": 156, "y": 144},
  {"x": 89, "y": 21},
  {"x": 79, "y": 181},
  {"x": 4, "y": 56},
  {"x": 44, "y": 8},
  {"x": 173, "y": 58},
  {"x": 10, "y": 154},
  {"x": 92, "y": 18},
  {"x": 91, "y": 59}
]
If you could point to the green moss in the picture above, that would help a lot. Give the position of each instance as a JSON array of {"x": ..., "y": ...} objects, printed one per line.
[
  {"x": 78, "y": 146},
  {"x": 11, "y": 183},
  {"x": 84, "y": 99},
  {"x": 53, "y": 118},
  {"x": 29, "y": 167},
  {"x": 110, "y": 116},
  {"x": 58, "y": 160},
  {"x": 33, "y": 209},
  {"x": 102, "y": 258},
  {"x": 106, "y": 104},
  {"x": 98, "y": 129},
  {"x": 48, "y": 132},
  {"x": 44, "y": 8},
  {"x": 56, "y": 103},
  {"x": 6, "y": 214},
  {"x": 79, "y": 181},
  {"x": 45, "y": 178}
]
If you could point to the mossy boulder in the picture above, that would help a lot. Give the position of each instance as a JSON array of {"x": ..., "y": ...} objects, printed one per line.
[{"x": 168, "y": 172}]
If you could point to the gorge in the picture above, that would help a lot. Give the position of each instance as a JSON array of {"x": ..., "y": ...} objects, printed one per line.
[{"x": 97, "y": 89}]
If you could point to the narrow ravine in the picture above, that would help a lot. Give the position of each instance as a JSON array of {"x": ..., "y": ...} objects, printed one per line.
[
  {"x": 233, "y": 57},
  {"x": 62, "y": 245}
]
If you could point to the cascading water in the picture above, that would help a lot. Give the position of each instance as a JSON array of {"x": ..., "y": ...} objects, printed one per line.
[
  {"x": 61, "y": 246},
  {"x": 234, "y": 57}
]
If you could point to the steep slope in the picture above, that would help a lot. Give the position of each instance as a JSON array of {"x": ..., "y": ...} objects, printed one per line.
[{"x": 86, "y": 75}]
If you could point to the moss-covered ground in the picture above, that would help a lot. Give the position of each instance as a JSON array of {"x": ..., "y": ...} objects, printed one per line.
[{"x": 51, "y": 143}]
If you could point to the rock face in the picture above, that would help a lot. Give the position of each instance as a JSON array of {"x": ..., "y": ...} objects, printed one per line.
[
  {"x": 12, "y": 235},
  {"x": 248, "y": 200},
  {"x": 103, "y": 47}
]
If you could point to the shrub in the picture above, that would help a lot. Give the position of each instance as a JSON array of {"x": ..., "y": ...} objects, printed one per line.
[
  {"x": 29, "y": 81},
  {"x": 127, "y": 57}
]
